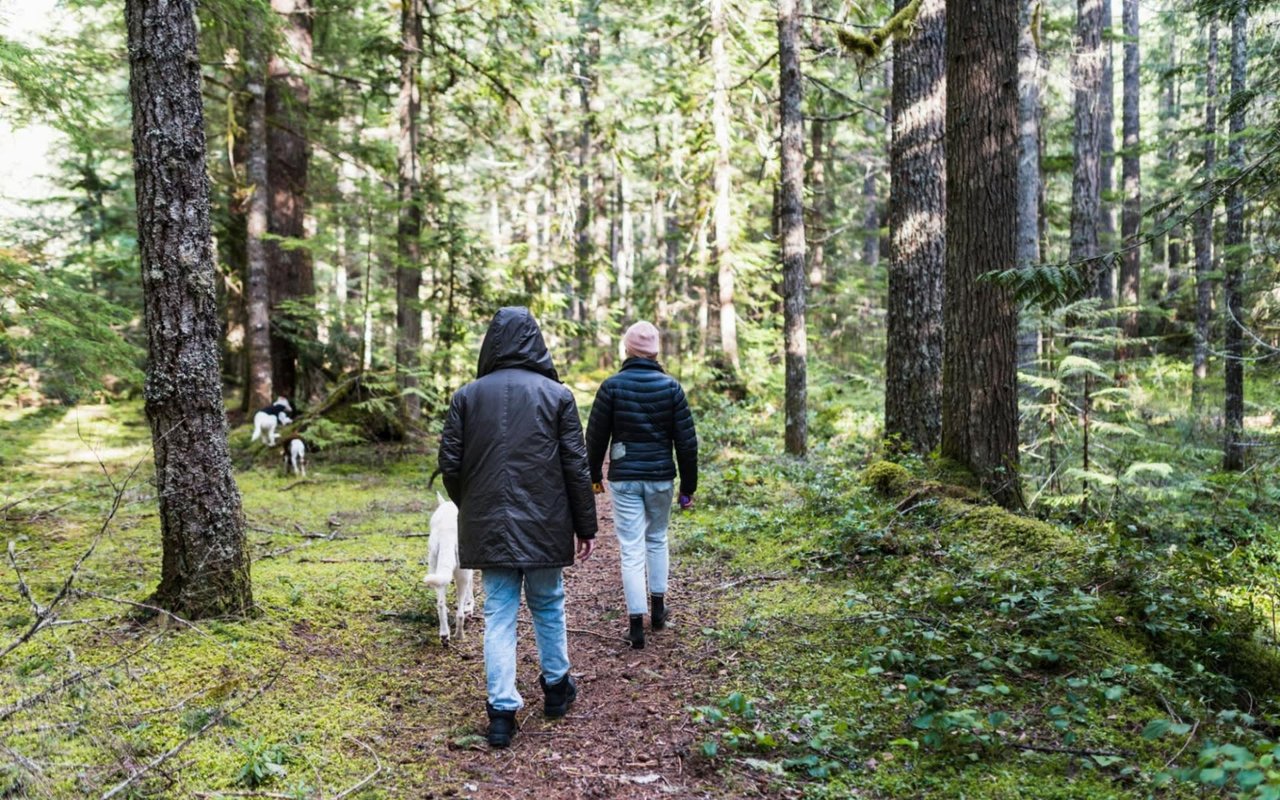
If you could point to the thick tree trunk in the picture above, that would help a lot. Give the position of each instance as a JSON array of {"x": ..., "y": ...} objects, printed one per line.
[
  {"x": 205, "y": 568},
  {"x": 1131, "y": 168},
  {"x": 257, "y": 286},
  {"x": 1086, "y": 173},
  {"x": 1203, "y": 221},
  {"x": 292, "y": 276},
  {"x": 1236, "y": 252},
  {"x": 722, "y": 216},
  {"x": 792, "y": 220},
  {"x": 1029, "y": 179},
  {"x": 409, "y": 221},
  {"x": 1106, "y": 161},
  {"x": 917, "y": 233},
  {"x": 980, "y": 381}
]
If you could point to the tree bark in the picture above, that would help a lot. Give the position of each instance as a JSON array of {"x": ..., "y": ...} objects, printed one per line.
[
  {"x": 1203, "y": 220},
  {"x": 584, "y": 247},
  {"x": 257, "y": 287},
  {"x": 1086, "y": 173},
  {"x": 409, "y": 213},
  {"x": 817, "y": 225},
  {"x": 979, "y": 381},
  {"x": 1029, "y": 180},
  {"x": 722, "y": 215},
  {"x": 1236, "y": 252},
  {"x": 1106, "y": 161},
  {"x": 792, "y": 220},
  {"x": 1131, "y": 169},
  {"x": 205, "y": 567},
  {"x": 292, "y": 275},
  {"x": 917, "y": 233}
]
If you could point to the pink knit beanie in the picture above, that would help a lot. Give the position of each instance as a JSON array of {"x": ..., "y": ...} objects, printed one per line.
[{"x": 641, "y": 340}]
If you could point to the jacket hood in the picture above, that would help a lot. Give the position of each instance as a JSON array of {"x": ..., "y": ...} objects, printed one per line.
[{"x": 514, "y": 341}]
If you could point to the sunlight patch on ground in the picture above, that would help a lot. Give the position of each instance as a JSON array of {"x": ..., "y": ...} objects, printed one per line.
[{"x": 86, "y": 435}]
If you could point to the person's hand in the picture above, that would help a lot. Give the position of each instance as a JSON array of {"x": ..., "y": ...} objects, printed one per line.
[
  {"x": 585, "y": 546},
  {"x": 686, "y": 502},
  {"x": 598, "y": 488}
]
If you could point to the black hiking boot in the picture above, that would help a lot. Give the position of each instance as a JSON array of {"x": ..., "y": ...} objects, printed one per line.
[
  {"x": 558, "y": 696},
  {"x": 502, "y": 726},
  {"x": 636, "y": 634},
  {"x": 658, "y": 613}
]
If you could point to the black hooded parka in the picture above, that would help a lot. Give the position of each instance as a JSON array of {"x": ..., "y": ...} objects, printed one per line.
[{"x": 512, "y": 455}]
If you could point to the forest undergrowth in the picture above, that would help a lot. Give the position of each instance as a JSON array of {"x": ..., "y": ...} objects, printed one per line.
[{"x": 852, "y": 625}]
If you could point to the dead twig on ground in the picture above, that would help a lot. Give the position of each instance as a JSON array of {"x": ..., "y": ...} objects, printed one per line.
[
  {"x": 69, "y": 681},
  {"x": 216, "y": 719},
  {"x": 153, "y": 609},
  {"x": 367, "y": 779},
  {"x": 4, "y": 509},
  {"x": 45, "y": 616}
]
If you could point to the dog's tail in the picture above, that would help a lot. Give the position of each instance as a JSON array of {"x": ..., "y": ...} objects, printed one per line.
[
  {"x": 445, "y": 565},
  {"x": 432, "y": 479}
]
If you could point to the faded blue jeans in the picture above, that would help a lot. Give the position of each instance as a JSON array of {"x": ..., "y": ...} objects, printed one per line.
[
  {"x": 641, "y": 515},
  {"x": 544, "y": 592}
]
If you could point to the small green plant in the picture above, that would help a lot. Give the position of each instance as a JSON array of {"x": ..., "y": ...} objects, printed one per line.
[{"x": 263, "y": 762}]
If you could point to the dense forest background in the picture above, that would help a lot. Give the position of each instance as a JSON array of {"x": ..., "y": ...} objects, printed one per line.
[{"x": 905, "y": 261}]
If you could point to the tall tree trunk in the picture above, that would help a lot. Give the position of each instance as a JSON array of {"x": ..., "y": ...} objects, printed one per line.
[
  {"x": 1086, "y": 173},
  {"x": 1106, "y": 161},
  {"x": 722, "y": 216},
  {"x": 1236, "y": 252},
  {"x": 409, "y": 214},
  {"x": 979, "y": 380},
  {"x": 1131, "y": 168},
  {"x": 1173, "y": 247},
  {"x": 1203, "y": 221},
  {"x": 818, "y": 221},
  {"x": 917, "y": 232},
  {"x": 292, "y": 276},
  {"x": 257, "y": 286},
  {"x": 205, "y": 566},
  {"x": 1029, "y": 179},
  {"x": 792, "y": 219},
  {"x": 584, "y": 249}
]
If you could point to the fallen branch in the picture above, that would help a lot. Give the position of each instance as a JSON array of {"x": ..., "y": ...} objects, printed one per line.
[
  {"x": 69, "y": 681},
  {"x": 154, "y": 610},
  {"x": 296, "y": 484},
  {"x": 363, "y": 782},
  {"x": 4, "y": 509},
  {"x": 180, "y": 746},
  {"x": 46, "y": 616}
]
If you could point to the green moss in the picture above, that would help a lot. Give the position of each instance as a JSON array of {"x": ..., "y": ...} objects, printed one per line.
[
  {"x": 887, "y": 478},
  {"x": 1018, "y": 539}
]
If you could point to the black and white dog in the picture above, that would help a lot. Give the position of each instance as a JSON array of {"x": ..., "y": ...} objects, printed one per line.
[
  {"x": 295, "y": 457},
  {"x": 268, "y": 419}
]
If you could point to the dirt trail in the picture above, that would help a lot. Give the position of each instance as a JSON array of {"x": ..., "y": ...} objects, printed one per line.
[{"x": 628, "y": 735}]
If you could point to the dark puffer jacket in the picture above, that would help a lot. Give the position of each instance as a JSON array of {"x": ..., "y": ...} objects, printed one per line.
[
  {"x": 512, "y": 455},
  {"x": 643, "y": 411}
]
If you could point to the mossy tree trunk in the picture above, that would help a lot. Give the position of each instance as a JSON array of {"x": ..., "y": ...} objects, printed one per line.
[
  {"x": 257, "y": 288},
  {"x": 409, "y": 222},
  {"x": 1131, "y": 170},
  {"x": 917, "y": 233},
  {"x": 792, "y": 222},
  {"x": 1236, "y": 252},
  {"x": 979, "y": 371},
  {"x": 1202, "y": 223},
  {"x": 1086, "y": 171},
  {"x": 722, "y": 215},
  {"x": 205, "y": 568}
]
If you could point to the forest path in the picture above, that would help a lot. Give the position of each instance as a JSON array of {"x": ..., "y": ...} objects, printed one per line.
[{"x": 627, "y": 736}]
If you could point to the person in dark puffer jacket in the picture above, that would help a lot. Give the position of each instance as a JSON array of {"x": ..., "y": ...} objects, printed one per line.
[
  {"x": 643, "y": 412},
  {"x": 513, "y": 458}
]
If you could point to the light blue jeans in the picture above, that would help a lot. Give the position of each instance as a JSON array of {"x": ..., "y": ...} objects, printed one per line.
[
  {"x": 544, "y": 592},
  {"x": 641, "y": 514}
]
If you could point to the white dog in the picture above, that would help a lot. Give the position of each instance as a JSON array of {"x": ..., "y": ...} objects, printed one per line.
[
  {"x": 295, "y": 457},
  {"x": 442, "y": 549},
  {"x": 266, "y": 421}
]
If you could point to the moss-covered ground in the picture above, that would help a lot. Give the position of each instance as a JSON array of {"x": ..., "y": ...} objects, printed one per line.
[{"x": 850, "y": 628}]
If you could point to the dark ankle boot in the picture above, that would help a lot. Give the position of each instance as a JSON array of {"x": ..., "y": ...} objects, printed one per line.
[
  {"x": 502, "y": 726},
  {"x": 636, "y": 634},
  {"x": 558, "y": 696},
  {"x": 658, "y": 613}
]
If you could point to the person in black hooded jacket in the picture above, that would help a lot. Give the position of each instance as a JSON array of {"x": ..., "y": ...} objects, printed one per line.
[
  {"x": 512, "y": 456},
  {"x": 643, "y": 411}
]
